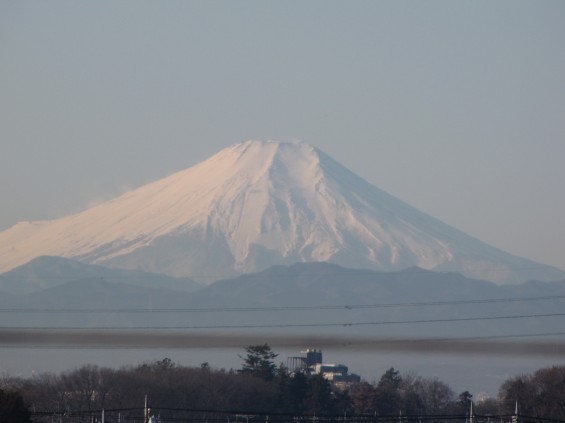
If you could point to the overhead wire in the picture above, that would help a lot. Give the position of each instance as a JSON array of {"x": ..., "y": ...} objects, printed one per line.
[
  {"x": 285, "y": 325},
  {"x": 277, "y": 308},
  {"x": 98, "y": 337}
]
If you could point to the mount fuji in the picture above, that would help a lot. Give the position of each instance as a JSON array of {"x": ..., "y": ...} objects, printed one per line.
[{"x": 256, "y": 204}]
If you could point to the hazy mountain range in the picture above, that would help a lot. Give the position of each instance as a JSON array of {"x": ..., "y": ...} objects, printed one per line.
[
  {"x": 58, "y": 313},
  {"x": 254, "y": 205},
  {"x": 287, "y": 297}
]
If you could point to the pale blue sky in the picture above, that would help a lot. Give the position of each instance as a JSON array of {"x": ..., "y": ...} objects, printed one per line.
[{"x": 456, "y": 107}]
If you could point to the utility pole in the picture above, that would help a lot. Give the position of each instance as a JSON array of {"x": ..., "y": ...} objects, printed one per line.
[
  {"x": 145, "y": 411},
  {"x": 515, "y": 416}
]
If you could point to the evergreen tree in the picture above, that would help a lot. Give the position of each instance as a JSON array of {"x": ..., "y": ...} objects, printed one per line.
[
  {"x": 319, "y": 396},
  {"x": 292, "y": 390},
  {"x": 259, "y": 362},
  {"x": 464, "y": 401},
  {"x": 387, "y": 393}
]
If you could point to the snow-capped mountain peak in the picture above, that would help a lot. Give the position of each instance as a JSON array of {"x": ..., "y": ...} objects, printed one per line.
[{"x": 255, "y": 204}]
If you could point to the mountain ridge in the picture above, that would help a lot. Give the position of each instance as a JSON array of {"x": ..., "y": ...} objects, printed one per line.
[
  {"x": 47, "y": 272},
  {"x": 304, "y": 298}
]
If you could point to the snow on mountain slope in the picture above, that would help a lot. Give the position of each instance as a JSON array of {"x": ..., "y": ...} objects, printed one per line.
[{"x": 256, "y": 204}]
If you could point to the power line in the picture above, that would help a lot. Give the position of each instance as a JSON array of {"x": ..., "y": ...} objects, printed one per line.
[
  {"x": 276, "y": 416},
  {"x": 282, "y": 325},
  {"x": 278, "y": 308}
]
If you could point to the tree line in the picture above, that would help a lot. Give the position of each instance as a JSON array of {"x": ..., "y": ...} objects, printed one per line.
[{"x": 260, "y": 391}]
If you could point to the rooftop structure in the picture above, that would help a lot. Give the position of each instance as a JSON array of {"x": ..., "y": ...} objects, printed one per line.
[{"x": 311, "y": 363}]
